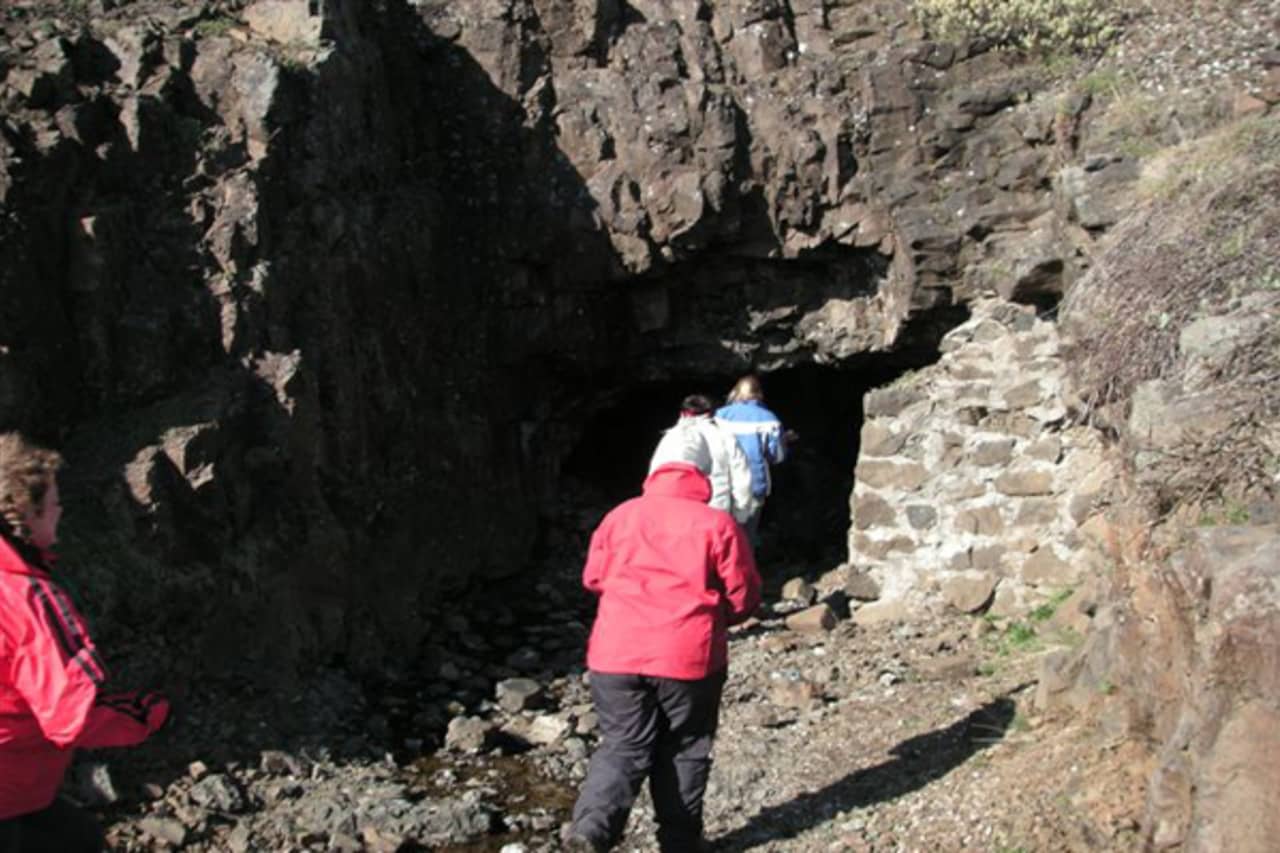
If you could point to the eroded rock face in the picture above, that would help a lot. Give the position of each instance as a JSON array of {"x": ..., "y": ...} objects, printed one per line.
[
  {"x": 316, "y": 295},
  {"x": 1190, "y": 656}
]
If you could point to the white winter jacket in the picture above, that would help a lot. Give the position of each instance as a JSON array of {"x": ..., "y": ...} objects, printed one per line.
[{"x": 702, "y": 441}]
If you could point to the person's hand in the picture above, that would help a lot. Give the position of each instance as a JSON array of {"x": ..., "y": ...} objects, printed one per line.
[
  {"x": 156, "y": 710},
  {"x": 790, "y": 436}
]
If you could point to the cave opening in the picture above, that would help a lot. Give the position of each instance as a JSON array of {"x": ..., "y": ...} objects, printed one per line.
[{"x": 805, "y": 523}]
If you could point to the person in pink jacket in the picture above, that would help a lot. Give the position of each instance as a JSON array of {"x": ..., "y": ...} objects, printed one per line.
[
  {"x": 672, "y": 574},
  {"x": 50, "y": 673}
]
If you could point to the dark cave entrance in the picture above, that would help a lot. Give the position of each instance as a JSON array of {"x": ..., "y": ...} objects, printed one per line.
[{"x": 806, "y": 521}]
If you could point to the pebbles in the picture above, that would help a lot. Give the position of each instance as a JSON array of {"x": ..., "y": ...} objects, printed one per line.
[{"x": 1229, "y": 48}]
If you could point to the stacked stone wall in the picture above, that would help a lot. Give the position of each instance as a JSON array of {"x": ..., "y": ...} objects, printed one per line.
[{"x": 971, "y": 485}]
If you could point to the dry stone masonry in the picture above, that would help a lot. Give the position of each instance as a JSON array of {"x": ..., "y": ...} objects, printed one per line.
[{"x": 971, "y": 482}]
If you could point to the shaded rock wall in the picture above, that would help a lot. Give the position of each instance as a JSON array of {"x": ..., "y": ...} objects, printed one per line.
[
  {"x": 265, "y": 371},
  {"x": 317, "y": 294}
]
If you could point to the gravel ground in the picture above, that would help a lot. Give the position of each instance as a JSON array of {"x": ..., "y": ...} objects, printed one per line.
[
  {"x": 891, "y": 740},
  {"x": 895, "y": 738},
  {"x": 1179, "y": 46}
]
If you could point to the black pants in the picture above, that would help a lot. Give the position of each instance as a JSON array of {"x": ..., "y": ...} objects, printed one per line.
[
  {"x": 656, "y": 728},
  {"x": 61, "y": 828}
]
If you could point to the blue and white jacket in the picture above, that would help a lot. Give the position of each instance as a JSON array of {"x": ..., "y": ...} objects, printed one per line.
[{"x": 759, "y": 434}]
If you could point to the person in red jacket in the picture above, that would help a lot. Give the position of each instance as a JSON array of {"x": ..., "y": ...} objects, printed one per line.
[
  {"x": 672, "y": 574},
  {"x": 50, "y": 673}
]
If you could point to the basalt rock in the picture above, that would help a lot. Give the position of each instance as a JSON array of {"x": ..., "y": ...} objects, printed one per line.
[{"x": 305, "y": 289}]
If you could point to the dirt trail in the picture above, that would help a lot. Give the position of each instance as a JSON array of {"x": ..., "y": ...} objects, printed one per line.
[
  {"x": 891, "y": 740},
  {"x": 902, "y": 737}
]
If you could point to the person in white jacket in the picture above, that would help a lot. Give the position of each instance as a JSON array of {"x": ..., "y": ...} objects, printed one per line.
[{"x": 698, "y": 438}]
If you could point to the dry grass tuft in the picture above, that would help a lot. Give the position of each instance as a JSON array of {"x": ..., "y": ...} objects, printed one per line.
[{"x": 1206, "y": 237}]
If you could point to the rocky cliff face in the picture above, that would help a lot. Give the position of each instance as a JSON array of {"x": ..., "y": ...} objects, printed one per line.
[
  {"x": 1174, "y": 338},
  {"x": 316, "y": 294}
]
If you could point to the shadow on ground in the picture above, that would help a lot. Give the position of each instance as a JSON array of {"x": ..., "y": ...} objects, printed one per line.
[{"x": 917, "y": 762}]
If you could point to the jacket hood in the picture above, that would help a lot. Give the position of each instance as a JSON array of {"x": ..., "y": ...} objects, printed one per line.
[{"x": 678, "y": 480}]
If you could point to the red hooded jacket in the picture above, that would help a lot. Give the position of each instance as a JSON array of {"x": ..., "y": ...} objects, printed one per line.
[
  {"x": 672, "y": 575},
  {"x": 50, "y": 675}
]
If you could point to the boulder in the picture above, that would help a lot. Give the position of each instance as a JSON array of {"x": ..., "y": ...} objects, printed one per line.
[
  {"x": 817, "y": 619},
  {"x": 969, "y": 593}
]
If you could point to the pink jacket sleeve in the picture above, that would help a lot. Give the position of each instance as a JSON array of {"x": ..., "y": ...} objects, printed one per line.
[
  {"x": 59, "y": 690},
  {"x": 55, "y": 668},
  {"x": 736, "y": 565},
  {"x": 123, "y": 719}
]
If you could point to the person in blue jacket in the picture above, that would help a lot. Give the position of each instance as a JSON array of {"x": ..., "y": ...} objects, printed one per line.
[{"x": 760, "y": 434}]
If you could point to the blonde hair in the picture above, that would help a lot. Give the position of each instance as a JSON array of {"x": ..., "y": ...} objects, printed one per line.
[
  {"x": 747, "y": 388},
  {"x": 25, "y": 472}
]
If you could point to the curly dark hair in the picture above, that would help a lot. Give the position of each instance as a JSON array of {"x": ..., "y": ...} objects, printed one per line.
[{"x": 25, "y": 471}]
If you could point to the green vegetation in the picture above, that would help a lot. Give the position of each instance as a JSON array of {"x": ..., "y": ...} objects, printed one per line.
[
  {"x": 1134, "y": 120},
  {"x": 1020, "y": 636},
  {"x": 1268, "y": 280},
  {"x": 1045, "y": 611},
  {"x": 1016, "y": 637},
  {"x": 1238, "y": 240},
  {"x": 213, "y": 27},
  {"x": 1228, "y": 512},
  {"x": 1048, "y": 27},
  {"x": 1236, "y": 514}
]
